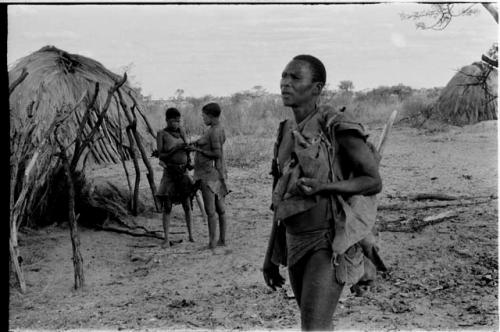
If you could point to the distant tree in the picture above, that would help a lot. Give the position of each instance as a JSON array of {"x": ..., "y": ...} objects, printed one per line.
[
  {"x": 259, "y": 91},
  {"x": 440, "y": 14},
  {"x": 346, "y": 86},
  {"x": 179, "y": 94}
]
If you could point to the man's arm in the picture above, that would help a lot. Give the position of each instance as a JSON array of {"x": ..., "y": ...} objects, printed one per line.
[{"x": 366, "y": 179}]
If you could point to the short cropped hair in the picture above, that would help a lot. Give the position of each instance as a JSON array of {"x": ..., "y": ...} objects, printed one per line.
[
  {"x": 212, "y": 109},
  {"x": 317, "y": 67},
  {"x": 172, "y": 113}
]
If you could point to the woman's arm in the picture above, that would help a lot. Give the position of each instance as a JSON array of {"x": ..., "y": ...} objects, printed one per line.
[
  {"x": 366, "y": 179},
  {"x": 215, "y": 151},
  {"x": 212, "y": 154},
  {"x": 164, "y": 153}
]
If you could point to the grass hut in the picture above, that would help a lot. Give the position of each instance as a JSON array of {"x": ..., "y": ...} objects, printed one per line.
[
  {"x": 470, "y": 96},
  {"x": 68, "y": 98}
]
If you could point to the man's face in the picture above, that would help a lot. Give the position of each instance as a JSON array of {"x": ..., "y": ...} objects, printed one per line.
[
  {"x": 174, "y": 123},
  {"x": 296, "y": 84},
  {"x": 207, "y": 119}
]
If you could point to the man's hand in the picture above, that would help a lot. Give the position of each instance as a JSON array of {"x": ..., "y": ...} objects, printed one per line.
[
  {"x": 309, "y": 186},
  {"x": 272, "y": 275},
  {"x": 191, "y": 147},
  {"x": 182, "y": 132}
]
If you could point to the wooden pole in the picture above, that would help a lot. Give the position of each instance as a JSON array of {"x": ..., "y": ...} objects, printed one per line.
[
  {"x": 73, "y": 228},
  {"x": 15, "y": 262},
  {"x": 100, "y": 119},
  {"x": 18, "y": 81},
  {"x": 135, "y": 199},
  {"x": 385, "y": 132},
  {"x": 133, "y": 127},
  {"x": 148, "y": 125},
  {"x": 123, "y": 156}
]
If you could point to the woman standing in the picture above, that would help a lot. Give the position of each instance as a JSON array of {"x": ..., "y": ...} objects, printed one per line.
[
  {"x": 210, "y": 170},
  {"x": 176, "y": 187},
  {"x": 309, "y": 192}
]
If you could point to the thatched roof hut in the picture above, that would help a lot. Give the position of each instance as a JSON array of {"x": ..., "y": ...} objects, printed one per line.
[
  {"x": 59, "y": 86},
  {"x": 470, "y": 96}
]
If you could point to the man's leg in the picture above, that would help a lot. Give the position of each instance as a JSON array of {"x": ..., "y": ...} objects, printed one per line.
[
  {"x": 296, "y": 274},
  {"x": 221, "y": 211},
  {"x": 209, "y": 202},
  {"x": 167, "y": 209},
  {"x": 186, "y": 205},
  {"x": 320, "y": 292}
]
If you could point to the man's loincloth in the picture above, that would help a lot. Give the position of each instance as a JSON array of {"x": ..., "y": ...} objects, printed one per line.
[
  {"x": 301, "y": 244},
  {"x": 176, "y": 185},
  {"x": 349, "y": 267}
]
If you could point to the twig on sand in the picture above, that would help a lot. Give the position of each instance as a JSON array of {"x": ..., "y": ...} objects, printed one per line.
[
  {"x": 440, "y": 216},
  {"x": 408, "y": 206},
  {"x": 129, "y": 232},
  {"x": 434, "y": 196}
]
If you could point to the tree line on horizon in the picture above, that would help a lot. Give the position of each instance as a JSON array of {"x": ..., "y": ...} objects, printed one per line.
[{"x": 257, "y": 112}]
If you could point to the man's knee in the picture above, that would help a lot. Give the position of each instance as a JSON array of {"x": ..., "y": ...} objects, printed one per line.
[
  {"x": 209, "y": 210},
  {"x": 220, "y": 208},
  {"x": 167, "y": 206},
  {"x": 186, "y": 205}
]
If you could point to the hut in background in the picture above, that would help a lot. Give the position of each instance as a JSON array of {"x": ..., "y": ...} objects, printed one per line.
[
  {"x": 71, "y": 98},
  {"x": 470, "y": 96}
]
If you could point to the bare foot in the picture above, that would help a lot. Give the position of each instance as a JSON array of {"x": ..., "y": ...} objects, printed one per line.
[
  {"x": 221, "y": 243},
  {"x": 165, "y": 244},
  {"x": 191, "y": 239}
]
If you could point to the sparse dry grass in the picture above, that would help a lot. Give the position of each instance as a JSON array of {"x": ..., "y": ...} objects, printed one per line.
[
  {"x": 251, "y": 120},
  {"x": 248, "y": 151}
]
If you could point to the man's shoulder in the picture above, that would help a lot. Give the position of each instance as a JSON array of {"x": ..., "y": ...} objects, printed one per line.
[
  {"x": 339, "y": 120},
  {"x": 217, "y": 132}
]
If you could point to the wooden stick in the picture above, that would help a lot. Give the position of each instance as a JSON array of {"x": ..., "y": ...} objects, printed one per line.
[
  {"x": 112, "y": 142},
  {"x": 129, "y": 232},
  {"x": 81, "y": 128},
  {"x": 96, "y": 127},
  {"x": 17, "y": 268},
  {"x": 135, "y": 199},
  {"x": 145, "y": 157},
  {"x": 19, "y": 80},
  {"x": 385, "y": 132},
  {"x": 123, "y": 157},
  {"x": 435, "y": 196},
  {"x": 406, "y": 206},
  {"x": 148, "y": 125},
  {"x": 440, "y": 216},
  {"x": 73, "y": 228}
]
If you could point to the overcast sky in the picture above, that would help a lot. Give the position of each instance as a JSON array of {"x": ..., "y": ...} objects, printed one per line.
[{"x": 222, "y": 49}]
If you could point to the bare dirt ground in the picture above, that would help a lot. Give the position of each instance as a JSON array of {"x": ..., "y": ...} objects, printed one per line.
[{"x": 443, "y": 276}]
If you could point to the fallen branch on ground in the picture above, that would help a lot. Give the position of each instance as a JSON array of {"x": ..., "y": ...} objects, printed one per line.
[
  {"x": 408, "y": 206},
  {"x": 128, "y": 231},
  {"x": 434, "y": 196},
  {"x": 440, "y": 216}
]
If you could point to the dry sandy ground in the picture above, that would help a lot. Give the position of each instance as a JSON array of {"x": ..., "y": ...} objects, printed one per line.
[{"x": 443, "y": 277}]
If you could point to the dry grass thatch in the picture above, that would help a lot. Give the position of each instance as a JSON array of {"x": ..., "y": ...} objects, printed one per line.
[
  {"x": 470, "y": 96},
  {"x": 59, "y": 88}
]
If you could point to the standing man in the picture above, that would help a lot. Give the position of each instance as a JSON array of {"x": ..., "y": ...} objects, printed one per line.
[
  {"x": 176, "y": 187},
  {"x": 322, "y": 165}
]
